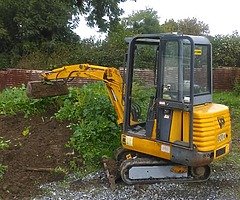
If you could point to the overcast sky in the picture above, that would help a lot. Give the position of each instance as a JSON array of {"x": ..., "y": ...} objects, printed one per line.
[{"x": 223, "y": 17}]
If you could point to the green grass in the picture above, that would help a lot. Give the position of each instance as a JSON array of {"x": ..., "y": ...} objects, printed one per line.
[{"x": 232, "y": 100}]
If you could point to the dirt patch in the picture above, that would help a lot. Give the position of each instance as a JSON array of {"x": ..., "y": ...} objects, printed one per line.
[{"x": 31, "y": 160}]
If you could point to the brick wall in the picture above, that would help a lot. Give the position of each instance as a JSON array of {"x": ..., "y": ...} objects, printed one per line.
[
  {"x": 17, "y": 77},
  {"x": 223, "y": 78}
]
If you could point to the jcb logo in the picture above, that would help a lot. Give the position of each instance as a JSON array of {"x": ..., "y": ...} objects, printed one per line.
[{"x": 221, "y": 122}]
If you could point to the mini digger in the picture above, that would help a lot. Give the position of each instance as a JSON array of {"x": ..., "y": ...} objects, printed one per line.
[{"x": 182, "y": 130}]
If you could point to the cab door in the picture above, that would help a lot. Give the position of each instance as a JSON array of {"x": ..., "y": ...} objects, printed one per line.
[{"x": 174, "y": 109}]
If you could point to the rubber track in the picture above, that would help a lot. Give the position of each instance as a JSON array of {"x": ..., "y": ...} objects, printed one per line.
[{"x": 127, "y": 164}]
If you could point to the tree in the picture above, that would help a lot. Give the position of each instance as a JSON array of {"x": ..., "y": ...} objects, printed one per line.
[
  {"x": 170, "y": 26},
  {"x": 226, "y": 50},
  {"x": 101, "y": 13},
  {"x": 114, "y": 46},
  {"x": 25, "y": 24},
  {"x": 190, "y": 26},
  {"x": 35, "y": 20},
  {"x": 143, "y": 21},
  {"x": 42, "y": 26}
]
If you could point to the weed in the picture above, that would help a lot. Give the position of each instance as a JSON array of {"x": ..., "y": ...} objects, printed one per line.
[
  {"x": 3, "y": 169},
  {"x": 73, "y": 165},
  {"x": 141, "y": 98},
  {"x": 94, "y": 123},
  {"x": 26, "y": 131},
  {"x": 60, "y": 170},
  {"x": 4, "y": 144}
]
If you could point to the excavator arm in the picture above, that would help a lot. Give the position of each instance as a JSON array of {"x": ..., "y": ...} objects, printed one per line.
[{"x": 54, "y": 83}]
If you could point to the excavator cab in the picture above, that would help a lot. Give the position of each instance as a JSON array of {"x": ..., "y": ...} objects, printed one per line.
[
  {"x": 182, "y": 125},
  {"x": 182, "y": 79}
]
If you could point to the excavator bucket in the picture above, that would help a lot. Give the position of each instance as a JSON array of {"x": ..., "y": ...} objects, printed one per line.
[{"x": 40, "y": 89}]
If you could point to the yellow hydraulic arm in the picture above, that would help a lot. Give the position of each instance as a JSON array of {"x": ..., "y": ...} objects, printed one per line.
[{"x": 110, "y": 76}]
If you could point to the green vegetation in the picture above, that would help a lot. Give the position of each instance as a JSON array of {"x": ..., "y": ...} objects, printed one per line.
[
  {"x": 95, "y": 131},
  {"x": 236, "y": 88},
  {"x": 41, "y": 28},
  {"x": 226, "y": 50},
  {"x": 141, "y": 98},
  {"x": 14, "y": 100},
  {"x": 143, "y": 21},
  {"x": 191, "y": 26},
  {"x": 3, "y": 169},
  {"x": 60, "y": 170},
  {"x": 40, "y": 34},
  {"x": 4, "y": 144}
]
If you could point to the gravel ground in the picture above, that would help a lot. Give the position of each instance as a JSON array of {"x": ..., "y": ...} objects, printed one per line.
[{"x": 224, "y": 184}]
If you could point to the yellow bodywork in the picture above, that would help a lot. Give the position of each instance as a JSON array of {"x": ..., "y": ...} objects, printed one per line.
[{"x": 208, "y": 134}]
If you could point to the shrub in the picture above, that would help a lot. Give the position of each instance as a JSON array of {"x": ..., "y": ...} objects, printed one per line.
[
  {"x": 95, "y": 131},
  {"x": 226, "y": 50}
]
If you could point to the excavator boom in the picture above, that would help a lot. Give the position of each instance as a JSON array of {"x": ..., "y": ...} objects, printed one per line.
[{"x": 55, "y": 83}]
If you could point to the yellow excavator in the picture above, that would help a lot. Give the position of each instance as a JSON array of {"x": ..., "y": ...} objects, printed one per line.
[{"x": 182, "y": 130}]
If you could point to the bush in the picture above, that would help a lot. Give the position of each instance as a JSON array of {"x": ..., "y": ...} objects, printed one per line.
[
  {"x": 226, "y": 50},
  {"x": 94, "y": 123}
]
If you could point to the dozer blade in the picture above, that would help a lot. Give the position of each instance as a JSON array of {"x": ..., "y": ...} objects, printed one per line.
[{"x": 39, "y": 89}]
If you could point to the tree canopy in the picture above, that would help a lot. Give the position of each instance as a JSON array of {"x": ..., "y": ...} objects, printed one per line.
[
  {"x": 27, "y": 26},
  {"x": 38, "y": 33},
  {"x": 191, "y": 26},
  {"x": 143, "y": 21},
  {"x": 24, "y": 24},
  {"x": 103, "y": 13}
]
